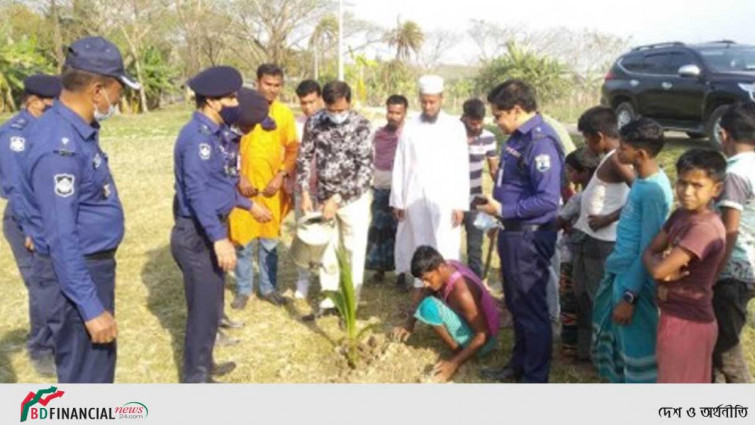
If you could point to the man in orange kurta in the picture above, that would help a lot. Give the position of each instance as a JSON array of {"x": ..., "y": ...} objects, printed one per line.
[{"x": 268, "y": 156}]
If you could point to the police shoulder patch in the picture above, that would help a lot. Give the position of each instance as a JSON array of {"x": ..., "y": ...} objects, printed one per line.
[
  {"x": 64, "y": 185},
  {"x": 19, "y": 124},
  {"x": 17, "y": 144},
  {"x": 205, "y": 151},
  {"x": 543, "y": 163}
]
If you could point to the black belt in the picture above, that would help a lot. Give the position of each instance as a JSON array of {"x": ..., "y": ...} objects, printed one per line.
[
  {"x": 102, "y": 255},
  {"x": 222, "y": 217},
  {"x": 515, "y": 226}
]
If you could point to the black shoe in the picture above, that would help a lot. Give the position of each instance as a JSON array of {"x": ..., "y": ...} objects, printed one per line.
[
  {"x": 45, "y": 365},
  {"x": 275, "y": 299},
  {"x": 378, "y": 277},
  {"x": 221, "y": 369},
  {"x": 227, "y": 323},
  {"x": 221, "y": 340},
  {"x": 320, "y": 313},
  {"x": 404, "y": 282},
  {"x": 239, "y": 301},
  {"x": 505, "y": 374}
]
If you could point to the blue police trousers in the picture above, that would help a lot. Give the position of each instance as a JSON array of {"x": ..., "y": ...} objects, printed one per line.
[
  {"x": 39, "y": 342},
  {"x": 77, "y": 359},
  {"x": 525, "y": 266},
  {"x": 203, "y": 284}
]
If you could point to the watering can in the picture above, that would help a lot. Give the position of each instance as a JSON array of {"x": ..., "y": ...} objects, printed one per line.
[{"x": 313, "y": 233}]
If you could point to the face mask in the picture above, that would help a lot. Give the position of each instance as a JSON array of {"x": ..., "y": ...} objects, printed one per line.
[
  {"x": 338, "y": 118},
  {"x": 230, "y": 114},
  {"x": 99, "y": 116}
]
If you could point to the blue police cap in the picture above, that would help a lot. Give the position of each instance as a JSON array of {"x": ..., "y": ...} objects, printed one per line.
[
  {"x": 216, "y": 81},
  {"x": 253, "y": 107},
  {"x": 43, "y": 85},
  {"x": 99, "y": 56}
]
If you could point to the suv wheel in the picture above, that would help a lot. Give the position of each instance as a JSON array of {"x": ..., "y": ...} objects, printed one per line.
[
  {"x": 713, "y": 126},
  {"x": 624, "y": 113}
]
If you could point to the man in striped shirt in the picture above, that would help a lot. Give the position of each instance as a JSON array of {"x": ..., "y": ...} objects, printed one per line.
[{"x": 482, "y": 147}]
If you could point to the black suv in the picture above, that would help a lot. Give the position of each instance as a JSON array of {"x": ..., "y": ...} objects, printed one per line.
[{"x": 685, "y": 87}]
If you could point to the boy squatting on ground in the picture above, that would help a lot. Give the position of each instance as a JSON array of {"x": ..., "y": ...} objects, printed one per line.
[
  {"x": 625, "y": 315},
  {"x": 684, "y": 258},
  {"x": 458, "y": 307}
]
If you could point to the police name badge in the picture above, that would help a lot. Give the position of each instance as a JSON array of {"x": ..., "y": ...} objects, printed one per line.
[
  {"x": 64, "y": 185},
  {"x": 17, "y": 144},
  {"x": 543, "y": 163},
  {"x": 205, "y": 151}
]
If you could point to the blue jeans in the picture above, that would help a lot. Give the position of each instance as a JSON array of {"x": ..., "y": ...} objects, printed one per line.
[{"x": 268, "y": 263}]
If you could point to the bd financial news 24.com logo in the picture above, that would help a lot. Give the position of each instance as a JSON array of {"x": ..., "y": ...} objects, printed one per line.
[{"x": 35, "y": 406}]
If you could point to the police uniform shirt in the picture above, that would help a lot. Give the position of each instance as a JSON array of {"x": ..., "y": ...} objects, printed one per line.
[
  {"x": 528, "y": 184},
  {"x": 205, "y": 179},
  {"x": 13, "y": 145},
  {"x": 72, "y": 201}
]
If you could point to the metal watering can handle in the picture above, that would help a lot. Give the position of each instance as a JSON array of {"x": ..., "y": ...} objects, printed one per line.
[{"x": 319, "y": 219}]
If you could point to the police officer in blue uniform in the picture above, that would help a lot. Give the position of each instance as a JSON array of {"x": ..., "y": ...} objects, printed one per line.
[
  {"x": 75, "y": 215},
  {"x": 206, "y": 192},
  {"x": 526, "y": 198},
  {"x": 40, "y": 90}
]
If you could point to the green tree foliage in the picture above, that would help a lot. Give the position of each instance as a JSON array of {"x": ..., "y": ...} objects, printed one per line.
[
  {"x": 18, "y": 59},
  {"x": 159, "y": 79},
  {"x": 550, "y": 78},
  {"x": 406, "y": 38}
]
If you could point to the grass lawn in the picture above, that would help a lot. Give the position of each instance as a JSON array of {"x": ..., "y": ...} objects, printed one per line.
[{"x": 276, "y": 346}]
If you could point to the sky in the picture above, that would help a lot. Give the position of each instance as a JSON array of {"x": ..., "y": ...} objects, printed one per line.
[{"x": 645, "y": 21}]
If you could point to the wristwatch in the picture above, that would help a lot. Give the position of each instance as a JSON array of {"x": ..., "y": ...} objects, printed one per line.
[{"x": 629, "y": 297}]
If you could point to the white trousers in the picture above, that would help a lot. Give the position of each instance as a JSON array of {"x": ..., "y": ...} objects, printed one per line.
[{"x": 351, "y": 230}]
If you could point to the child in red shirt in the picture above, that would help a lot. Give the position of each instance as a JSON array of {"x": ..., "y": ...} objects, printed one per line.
[{"x": 684, "y": 258}]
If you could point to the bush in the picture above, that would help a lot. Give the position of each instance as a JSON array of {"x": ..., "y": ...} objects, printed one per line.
[{"x": 549, "y": 77}]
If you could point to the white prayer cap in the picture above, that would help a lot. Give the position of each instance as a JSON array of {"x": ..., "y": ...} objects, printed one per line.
[{"x": 431, "y": 84}]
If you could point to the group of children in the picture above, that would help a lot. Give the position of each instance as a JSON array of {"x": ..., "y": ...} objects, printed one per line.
[
  {"x": 651, "y": 291},
  {"x": 648, "y": 296}
]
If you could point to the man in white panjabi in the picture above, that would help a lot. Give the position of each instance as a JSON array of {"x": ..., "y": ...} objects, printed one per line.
[{"x": 430, "y": 187}]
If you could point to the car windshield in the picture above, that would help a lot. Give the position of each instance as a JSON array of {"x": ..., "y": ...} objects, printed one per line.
[{"x": 730, "y": 59}]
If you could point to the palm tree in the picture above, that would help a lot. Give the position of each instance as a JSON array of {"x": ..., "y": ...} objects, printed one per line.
[
  {"x": 324, "y": 34},
  {"x": 407, "y": 37}
]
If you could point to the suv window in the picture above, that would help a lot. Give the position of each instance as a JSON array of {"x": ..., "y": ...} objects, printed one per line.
[
  {"x": 659, "y": 63},
  {"x": 729, "y": 59},
  {"x": 679, "y": 59},
  {"x": 633, "y": 63}
]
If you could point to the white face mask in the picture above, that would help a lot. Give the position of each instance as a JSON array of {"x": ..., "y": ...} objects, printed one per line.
[
  {"x": 99, "y": 116},
  {"x": 338, "y": 118}
]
